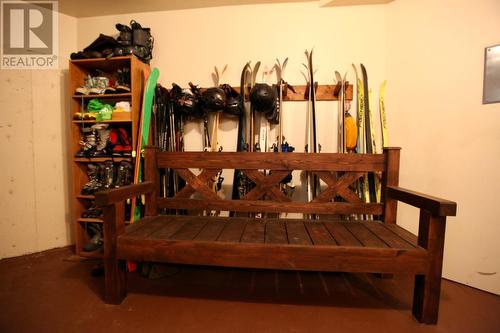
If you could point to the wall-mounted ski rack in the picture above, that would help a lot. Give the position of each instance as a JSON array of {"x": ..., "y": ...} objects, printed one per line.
[{"x": 326, "y": 92}]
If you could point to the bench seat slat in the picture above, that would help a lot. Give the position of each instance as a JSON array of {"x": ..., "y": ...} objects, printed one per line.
[
  {"x": 210, "y": 231},
  {"x": 297, "y": 233},
  {"x": 276, "y": 232},
  {"x": 319, "y": 234},
  {"x": 254, "y": 232},
  {"x": 342, "y": 235},
  {"x": 232, "y": 231},
  {"x": 389, "y": 237},
  {"x": 364, "y": 235},
  {"x": 189, "y": 230}
]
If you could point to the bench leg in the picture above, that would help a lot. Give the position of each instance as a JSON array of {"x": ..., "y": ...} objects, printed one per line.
[
  {"x": 115, "y": 271},
  {"x": 115, "y": 281},
  {"x": 428, "y": 286}
]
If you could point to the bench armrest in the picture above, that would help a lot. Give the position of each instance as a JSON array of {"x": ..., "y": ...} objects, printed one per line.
[
  {"x": 104, "y": 198},
  {"x": 435, "y": 206}
]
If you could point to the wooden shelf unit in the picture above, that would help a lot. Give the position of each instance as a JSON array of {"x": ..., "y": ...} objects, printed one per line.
[{"x": 78, "y": 70}]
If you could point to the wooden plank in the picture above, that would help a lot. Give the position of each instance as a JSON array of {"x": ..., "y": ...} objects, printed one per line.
[
  {"x": 365, "y": 236},
  {"x": 145, "y": 227},
  {"x": 276, "y": 232},
  {"x": 168, "y": 229},
  {"x": 254, "y": 232},
  {"x": 271, "y": 256},
  {"x": 343, "y": 236},
  {"x": 232, "y": 231},
  {"x": 272, "y": 161},
  {"x": 434, "y": 205},
  {"x": 339, "y": 186},
  {"x": 324, "y": 92},
  {"x": 189, "y": 230},
  {"x": 211, "y": 230},
  {"x": 336, "y": 208},
  {"x": 403, "y": 233},
  {"x": 387, "y": 236},
  {"x": 297, "y": 233},
  {"x": 204, "y": 177},
  {"x": 390, "y": 178},
  {"x": 197, "y": 184},
  {"x": 319, "y": 234},
  {"x": 266, "y": 184},
  {"x": 107, "y": 197}
]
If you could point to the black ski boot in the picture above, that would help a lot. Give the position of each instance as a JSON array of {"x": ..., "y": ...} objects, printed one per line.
[
  {"x": 142, "y": 42},
  {"x": 124, "y": 175},
  {"x": 88, "y": 142},
  {"x": 103, "y": 147},
  {"x": 107, "y": 175},
  {"x": 94, "y": 184},
  {"x": 97, "y": 241}
]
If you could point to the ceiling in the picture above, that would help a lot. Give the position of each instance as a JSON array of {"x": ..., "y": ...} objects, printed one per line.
[{"x": 88, "y": 8}]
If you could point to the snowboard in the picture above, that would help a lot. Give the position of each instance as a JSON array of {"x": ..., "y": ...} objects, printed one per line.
[{"x": 143, "y": 137}]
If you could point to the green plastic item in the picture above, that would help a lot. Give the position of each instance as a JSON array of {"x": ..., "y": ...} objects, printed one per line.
[{"x": 105, "y": 113}]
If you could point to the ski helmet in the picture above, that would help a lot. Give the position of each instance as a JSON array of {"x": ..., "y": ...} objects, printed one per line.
[
  {"x": 214, "y": 99},
  {"x": 185, "y": 102},
  {"x": 263, "y": 98},
  {"x": 233, "y": 102}
]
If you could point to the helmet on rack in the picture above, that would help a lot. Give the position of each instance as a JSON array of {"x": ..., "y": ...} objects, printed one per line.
[
  {"x": 214, "y": 99},
  {"x": 184, "y": 100},
  {"x": 233, "y": 101},
  {"x": 263, "y": 98}
]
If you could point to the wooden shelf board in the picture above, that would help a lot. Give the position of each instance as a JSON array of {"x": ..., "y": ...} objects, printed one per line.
[
  {"x": 104, "y": 121},
  {"x": 95, "y": 254},
  {"x": 103, "y": 96},
  {"x": 88, "y": 197},
  {"x": 104, "y": 64},
  {"x": 86, "y": 219},
  {"x": 100, "y": 159}
]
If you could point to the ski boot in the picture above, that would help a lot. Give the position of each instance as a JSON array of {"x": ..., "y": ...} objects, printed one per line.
[
  {"x": 103, "y": 147},
  {"x": 142, "y": 42},
  {"x": 87, "y": 142},
  {"x": 124, "y": 174},
  {"x": 93, "y": 185},
  {"x": 107, "y": 175},
  {"x": 123, "y": 146},
  {"x": 123, "y": 80},
  {"x": 97, "y": 241}
]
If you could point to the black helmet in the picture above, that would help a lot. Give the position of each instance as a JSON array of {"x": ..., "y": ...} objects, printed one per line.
[
  {"x": 263, "y": 98},
  {"x": 185, "y": 101},
  {"x": 233, "y": 100},
  {"x": 214, "y": 99}
]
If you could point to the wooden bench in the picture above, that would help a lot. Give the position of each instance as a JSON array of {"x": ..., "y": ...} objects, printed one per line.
[{"x": 327, "y": 243}]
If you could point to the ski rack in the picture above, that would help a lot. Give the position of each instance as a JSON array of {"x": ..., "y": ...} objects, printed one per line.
[{"x": 326, "y": 92}]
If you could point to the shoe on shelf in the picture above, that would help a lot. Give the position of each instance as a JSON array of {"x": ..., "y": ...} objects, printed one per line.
[
  {"x": 94, "y": 184},
  {"x": 125, "y": 174},
  {"x": 96, "y": 242},
  {"x": 123, "y": 81},
  {"x": 88, "y": 142},
  {"x": 107, "y": 174},
  {"x": 103, "y": 146}
]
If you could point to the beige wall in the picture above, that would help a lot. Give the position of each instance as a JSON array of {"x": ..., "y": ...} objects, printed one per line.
[
  {"x": 451, "y": 141},
  {"x": 34, "y": 177}
]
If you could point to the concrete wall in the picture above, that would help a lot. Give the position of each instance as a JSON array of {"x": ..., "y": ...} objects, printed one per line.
[{"x": 33, "y": 136}]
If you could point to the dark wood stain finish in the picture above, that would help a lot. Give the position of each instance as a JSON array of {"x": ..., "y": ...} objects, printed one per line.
[{"x": 325, "y": 244}]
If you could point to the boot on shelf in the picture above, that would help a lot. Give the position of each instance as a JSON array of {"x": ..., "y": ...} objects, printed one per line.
[
  {"x": 88, "y": 142},
  {"x": 103, "y": 146},
  {"x": 94, "y": 184},
  {"x": 125, "y": 174},
  {"x": 96, "y": 242},
  {"x": 107, "y": 175}
]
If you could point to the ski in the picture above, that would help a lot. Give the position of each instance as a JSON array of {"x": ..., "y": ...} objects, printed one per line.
[
  {"x": 383, "y": 119},
  {"x": 242, "y": 140},
  {"x": 312, "y": 145},
  {"x": 368, "y": 132}
]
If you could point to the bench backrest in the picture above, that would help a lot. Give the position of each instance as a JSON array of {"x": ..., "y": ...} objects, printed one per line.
[{"x": 338, "y": 172}]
